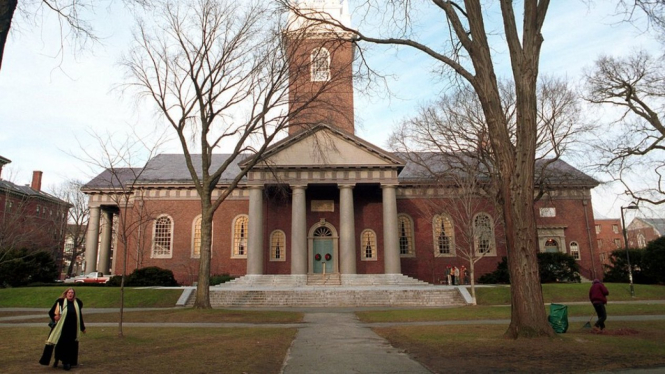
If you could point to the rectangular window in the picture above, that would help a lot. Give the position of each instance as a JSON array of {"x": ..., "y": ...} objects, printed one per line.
[
  {"x": 615, "y": 229},
  {"x": 600, "y": 243},
  {"x": 617, "y": 243},
  {"x": 597, "y": 229}
]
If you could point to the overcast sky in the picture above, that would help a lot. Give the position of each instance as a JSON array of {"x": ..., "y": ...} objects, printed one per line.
[{"x": 49, "y": 101}]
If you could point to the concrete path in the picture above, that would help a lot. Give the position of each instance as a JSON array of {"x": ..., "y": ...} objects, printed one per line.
[{"x": 339, "y": 343}]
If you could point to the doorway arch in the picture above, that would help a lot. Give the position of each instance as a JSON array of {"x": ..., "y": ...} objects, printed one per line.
[{"x": 323, "y": 239}]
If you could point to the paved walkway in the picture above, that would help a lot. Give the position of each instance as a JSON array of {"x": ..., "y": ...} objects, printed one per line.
[{"x": 339, "y": 343}]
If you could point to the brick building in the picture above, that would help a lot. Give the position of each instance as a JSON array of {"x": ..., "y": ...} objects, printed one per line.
[
  {"x": 31, "y": 218},
  {"x": 323, "y": 200},
  {"x": 609, "y": 237},
  {"x": 643, "y": 230}
]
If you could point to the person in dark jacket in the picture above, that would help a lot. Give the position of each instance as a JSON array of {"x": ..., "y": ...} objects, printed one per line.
[
  {"x": 66, "y": 331},
  {"x": 598, "y": 296}
]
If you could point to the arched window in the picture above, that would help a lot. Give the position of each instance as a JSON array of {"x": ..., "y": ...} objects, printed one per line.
[
  {"x": 444, "y": 236},
  {"x": 551, "y": 246},
  {"x": 575, "y": 250},
  {"x": 405, "y": 227},
  {"x": 483, "y": 234},
  {"x": 240, "y": 226},
  {"x": 162, "y": 237},
  {"x": 196, "y": 237},
  {"x": 368, "y": 245},
  {"x": 320, "y": 62},
  {"x": 278, "y": 246}
]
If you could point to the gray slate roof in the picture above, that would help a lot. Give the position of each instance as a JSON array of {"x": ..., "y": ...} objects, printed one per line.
[
  {"x": 27, "y": 191},
  {"x": 172, "y": 169}
]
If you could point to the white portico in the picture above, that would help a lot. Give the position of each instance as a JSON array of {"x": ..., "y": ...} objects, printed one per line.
[{"x": 317, "y": 160}]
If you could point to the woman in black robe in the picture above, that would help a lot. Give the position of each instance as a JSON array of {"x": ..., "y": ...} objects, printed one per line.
[{"x": 67, "y": 321}]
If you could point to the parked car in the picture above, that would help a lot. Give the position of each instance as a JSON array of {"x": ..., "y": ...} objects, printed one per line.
[{"x": 94, "y": 277}]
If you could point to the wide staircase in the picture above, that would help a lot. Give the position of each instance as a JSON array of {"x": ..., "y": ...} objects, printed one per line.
[{"x": 331, "y": 290}]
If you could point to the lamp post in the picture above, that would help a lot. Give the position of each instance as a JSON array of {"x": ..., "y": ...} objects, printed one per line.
[{"x": 631, "y": 206}]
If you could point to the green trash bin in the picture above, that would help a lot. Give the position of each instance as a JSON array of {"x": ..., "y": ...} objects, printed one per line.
[{"x": 558, "y": 318}]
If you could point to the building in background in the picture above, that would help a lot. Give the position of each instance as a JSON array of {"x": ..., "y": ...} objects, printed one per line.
[
  {"x": 31, "y": 218},
  {"x": 609, "y": 237},
  {"x": 643, "y": 230}
]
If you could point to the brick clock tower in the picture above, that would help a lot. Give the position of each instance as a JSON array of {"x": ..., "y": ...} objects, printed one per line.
[{"x": 320, "y": 66}]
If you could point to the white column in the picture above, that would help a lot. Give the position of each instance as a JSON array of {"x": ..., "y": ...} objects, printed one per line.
[
  {"x": 255, "y": 231},
  {"x": 105, "y": 245},
  {"x": 347, "y": 233},
  {"x": 92, "y": 240},
  {"x": 298, "y": 230},
  {"x": 390, "y": 231}
]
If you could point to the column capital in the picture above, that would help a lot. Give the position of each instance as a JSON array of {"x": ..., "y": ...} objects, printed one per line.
[
  {"x": 298, "y": 186},
  {"x": 388, "y": 185}
]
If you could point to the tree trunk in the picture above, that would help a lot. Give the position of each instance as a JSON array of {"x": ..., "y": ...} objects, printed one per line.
[
  {"x": 203, "y": 286},
  {"x": 7, "y": 8}
]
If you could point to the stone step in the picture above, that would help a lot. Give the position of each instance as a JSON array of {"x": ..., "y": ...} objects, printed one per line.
[
  {"x": 324, "y": 280},
  {"x": 336, "y": 297}
]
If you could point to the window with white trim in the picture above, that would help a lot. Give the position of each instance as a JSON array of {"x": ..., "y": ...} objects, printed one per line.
[
  {"x": 641, "y": 240},
  {"x": 405, "y": 227},
  {"x": 320, "y": 65},
  {"x": 551, "y": 246},
  {"x": 575, "y": 250},
  {"x": 368, "y": 245},
  {"x": 196, "y": 238},
  {"x": 615, "y": 229},
  {"x": 444, "y": 238},
  {"x": 162, "y": 237},
  {"x": 278, "y": 246},
  {"x": 240, "y": 226},
  {"x": 617, "y": 243},
  {"x": 483, "y": 234}
]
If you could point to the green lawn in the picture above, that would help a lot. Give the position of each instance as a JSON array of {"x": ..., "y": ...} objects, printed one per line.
[
  {"x": 567, "y": 292},
  {"x": 92, "y": 297}
]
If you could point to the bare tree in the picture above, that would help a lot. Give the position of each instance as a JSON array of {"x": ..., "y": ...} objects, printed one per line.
[
  {"x": 70, "y": 191},
  {"x": 118, "y": 182},
  {"x": 218, "y": 73},
  {"x": 633, "y": 153},
  {"x": 74, "y": 17}
]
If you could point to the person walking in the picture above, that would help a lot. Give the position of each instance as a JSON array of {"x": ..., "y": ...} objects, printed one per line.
[
  {"x": 67, "y": 322},
  {"x": 598, "y": 296}
]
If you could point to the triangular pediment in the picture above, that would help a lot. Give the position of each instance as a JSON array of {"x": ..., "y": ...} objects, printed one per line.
[{"x": 327, "y": 147}]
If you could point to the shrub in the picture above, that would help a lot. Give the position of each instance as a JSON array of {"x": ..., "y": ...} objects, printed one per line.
[
  {"x": 498, "y": 276},
  {"x": 152, "y": 276},
  {"x": 220, "y": 278},
  {"x": 617, "y": 271},
  {"x": 557, "y": 267},
  {"x": 654, "y": 261},
  {"x": 553, "y": 267},
  {"x": 21, "y": 267}
]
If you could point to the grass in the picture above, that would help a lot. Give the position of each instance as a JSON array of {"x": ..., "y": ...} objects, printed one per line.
[
  {"x": 156, "y": 350},
  {"x": 567, "y": 292},
  {"x": 476, "y": 348},
  {"x": 92, "y": 297},
  {"x": 481, "y": 312}
]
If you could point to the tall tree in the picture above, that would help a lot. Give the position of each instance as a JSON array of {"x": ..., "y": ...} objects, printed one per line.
[
  {"x": 218, "y": 72},
  {"x": 635, "y": 86},
  {"x": 468, "y": 53},
  {"x": 448, "y": 141}
]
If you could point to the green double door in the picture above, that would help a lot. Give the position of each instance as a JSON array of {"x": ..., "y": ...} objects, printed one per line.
[{"x": 322, "y": 247}]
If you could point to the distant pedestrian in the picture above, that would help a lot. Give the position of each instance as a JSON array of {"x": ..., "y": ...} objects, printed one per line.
[
  {"x": 456, "y": 275},
  {"x": 67, "y": 326},
  {"x": 598, "y": 296},
  {"x": 448, "y": 275}
]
